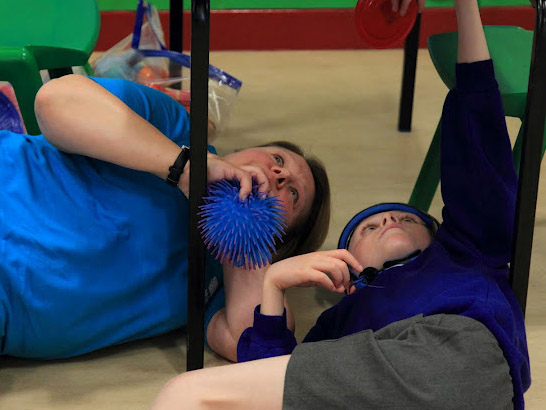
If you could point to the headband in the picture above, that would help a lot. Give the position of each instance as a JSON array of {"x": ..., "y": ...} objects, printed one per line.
[{"x": 347, "y": 232}]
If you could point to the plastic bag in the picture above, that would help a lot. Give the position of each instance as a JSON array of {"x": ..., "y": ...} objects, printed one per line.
[{"x": 143, "y": 58}]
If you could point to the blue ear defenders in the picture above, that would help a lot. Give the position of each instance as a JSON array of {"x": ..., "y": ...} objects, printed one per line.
[{"x": 365, "y": 277}]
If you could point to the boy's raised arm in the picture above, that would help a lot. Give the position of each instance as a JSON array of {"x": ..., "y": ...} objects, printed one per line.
[
  {"x": 479, "y": 182},
  {"x": 472, "y": 43}
]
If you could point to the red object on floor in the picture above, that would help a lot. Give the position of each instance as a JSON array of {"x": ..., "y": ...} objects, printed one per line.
[{"x": 379, "y": 26}]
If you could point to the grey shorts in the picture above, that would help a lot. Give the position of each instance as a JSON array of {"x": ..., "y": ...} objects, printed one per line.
[{"x": 435, "y": 362}]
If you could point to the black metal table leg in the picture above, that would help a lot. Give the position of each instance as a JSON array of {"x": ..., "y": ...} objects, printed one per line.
[
  {"x": 200, "y": 17},
  {"x": 176, "y": 25},
  {"x": 531, "y": 156},
  {"x": 408, "y": 77}
]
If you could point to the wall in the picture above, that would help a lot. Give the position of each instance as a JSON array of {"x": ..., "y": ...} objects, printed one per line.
[
  {"x": 296, "y": 24},
  {"x": 109, "y": 5}
]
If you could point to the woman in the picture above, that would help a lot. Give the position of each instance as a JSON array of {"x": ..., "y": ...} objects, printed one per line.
[{"x": 93, "y": 245}]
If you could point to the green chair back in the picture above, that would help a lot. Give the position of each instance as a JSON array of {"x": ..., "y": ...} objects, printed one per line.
[
  {"x": 510, "y": 48},
  {"x": 43, "y": 35}
]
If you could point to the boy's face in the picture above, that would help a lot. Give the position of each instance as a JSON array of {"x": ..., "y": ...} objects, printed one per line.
[{"x": 388, "y": 236}]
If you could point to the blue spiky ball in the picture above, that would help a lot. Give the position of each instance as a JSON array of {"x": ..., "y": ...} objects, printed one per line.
[{"x": 243, "y": 233}]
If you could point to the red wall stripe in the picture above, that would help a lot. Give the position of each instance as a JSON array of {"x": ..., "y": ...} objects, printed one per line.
[{"x": 299, "y": 29}]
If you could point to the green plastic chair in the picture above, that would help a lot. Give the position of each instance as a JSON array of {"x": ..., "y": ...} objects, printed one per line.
[
  {"x": 36, "y": 35},
  {"x": 510, "y": 48}
]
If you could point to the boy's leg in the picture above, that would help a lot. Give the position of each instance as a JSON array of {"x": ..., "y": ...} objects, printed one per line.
[
  {"x": 256, "y": 385},
  {"x": 446, "y": 362}
]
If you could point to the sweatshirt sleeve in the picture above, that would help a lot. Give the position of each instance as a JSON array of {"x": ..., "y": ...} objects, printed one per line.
[
  {"x": 268, "y": 337},
  {"x": 479, "y": 182}
]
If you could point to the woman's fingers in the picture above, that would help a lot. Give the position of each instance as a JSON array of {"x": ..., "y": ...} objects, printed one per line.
[
  {"x": 245, "y": 179},
  {"x": 259, "y": 176},
  {"x": 218, "y": 168}
]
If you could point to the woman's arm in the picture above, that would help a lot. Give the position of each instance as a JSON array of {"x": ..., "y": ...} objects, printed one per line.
[{"x": 79, "y": 116}]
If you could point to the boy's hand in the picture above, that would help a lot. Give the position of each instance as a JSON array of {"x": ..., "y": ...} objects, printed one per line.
[
  {"x": 402, "y": 6},
  {"x": 327, "y": 269}
]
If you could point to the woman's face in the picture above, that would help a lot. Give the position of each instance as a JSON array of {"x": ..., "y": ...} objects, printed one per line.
[
  {"x": 288, "y": 174},
  {"x": 388, "y": 236}
]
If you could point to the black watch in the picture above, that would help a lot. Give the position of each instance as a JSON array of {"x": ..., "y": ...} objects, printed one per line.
[{"x": 178, "y": 167}]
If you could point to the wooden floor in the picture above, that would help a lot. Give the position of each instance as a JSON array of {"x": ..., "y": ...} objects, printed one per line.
[{"x": 343, "y": 107}]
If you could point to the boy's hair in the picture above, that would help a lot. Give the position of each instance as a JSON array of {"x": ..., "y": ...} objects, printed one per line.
[
  {"x": 308, "y": 235},
  {"x": 345, "y": 239}
]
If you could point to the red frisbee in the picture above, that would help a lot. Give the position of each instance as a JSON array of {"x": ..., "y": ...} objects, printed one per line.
[{"x": 379, "y": 26}]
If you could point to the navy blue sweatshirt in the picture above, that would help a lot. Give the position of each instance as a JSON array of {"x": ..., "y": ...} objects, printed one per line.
[{"x": 465, "y": 269}]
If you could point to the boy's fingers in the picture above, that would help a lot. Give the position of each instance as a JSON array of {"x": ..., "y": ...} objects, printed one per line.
[
  {"x": 349, "y": 259},
  {"x": 394, "y": 4},
  {"x": 323, "y": 280},
  {"x": 329, "y": 267},
  {"x": 404, "y": 7},
  {"x": 345, "y": 274},
  {"x": 345, "y": 256},
  {"x": 336, "y": 268}
]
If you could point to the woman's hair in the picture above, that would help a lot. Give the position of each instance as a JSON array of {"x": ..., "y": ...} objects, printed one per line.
[{"x": 309, "y": 234}]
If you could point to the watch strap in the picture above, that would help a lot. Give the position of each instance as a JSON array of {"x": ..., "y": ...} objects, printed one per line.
[{"x": 176, "y": 169}]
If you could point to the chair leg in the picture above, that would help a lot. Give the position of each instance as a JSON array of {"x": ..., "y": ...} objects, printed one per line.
[
  {"x": 408, "y": 77},
  {"x": 59, "y": 72},
  {"x": 429, "y": 176},
  {"x": 532, "y": 142},
  {"x": 516, "y": 152},
  {"x": 87, "y": 68}
]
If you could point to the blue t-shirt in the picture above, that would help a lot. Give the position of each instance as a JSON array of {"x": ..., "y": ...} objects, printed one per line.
[{"x": 92, "y": 254}]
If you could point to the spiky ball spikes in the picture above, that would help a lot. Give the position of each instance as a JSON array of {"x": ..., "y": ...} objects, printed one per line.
[{"x": 241, "y": 232}]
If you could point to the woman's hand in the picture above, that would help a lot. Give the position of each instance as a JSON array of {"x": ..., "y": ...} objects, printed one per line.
[
  {"x": 327, "y": 269},
  {"x": 402, "y": 6},
  {"x": 218, "y": 169}
]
